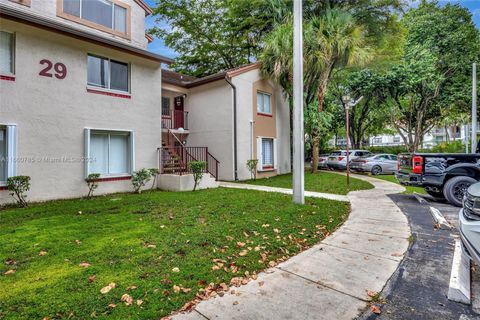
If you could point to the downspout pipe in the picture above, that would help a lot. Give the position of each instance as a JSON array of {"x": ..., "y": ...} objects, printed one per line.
[{"x": 235, "y": 165}]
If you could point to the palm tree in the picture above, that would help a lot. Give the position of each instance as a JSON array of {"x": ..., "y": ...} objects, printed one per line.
[{"x": 332, "y": 40}]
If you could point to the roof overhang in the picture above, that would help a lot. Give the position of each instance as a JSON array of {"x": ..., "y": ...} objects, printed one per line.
[{"x": 35, "y": 20}]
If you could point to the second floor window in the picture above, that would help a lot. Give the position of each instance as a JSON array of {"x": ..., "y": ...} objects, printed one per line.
[
  {"x": 6, "y": 53},
  {"x": 106, "y": 13},
  {"x": 108, "y": 74},
  {"x": 264, "y": 103},
  {"x": 165, "y": 106}
]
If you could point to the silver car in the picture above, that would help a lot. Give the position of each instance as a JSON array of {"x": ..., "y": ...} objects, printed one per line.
[
  {"x": 376, "y": 164},
  {"x": 469, "y": 222}
]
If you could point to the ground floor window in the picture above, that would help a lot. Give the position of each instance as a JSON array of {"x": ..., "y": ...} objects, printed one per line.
[
  {"x": 8, "y": 142},
  {"x": 267, "y": 153},
  {"x": 110, "y": 153}
]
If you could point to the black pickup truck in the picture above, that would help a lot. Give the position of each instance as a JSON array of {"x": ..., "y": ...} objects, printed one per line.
[{"x": 442, "y": 175}]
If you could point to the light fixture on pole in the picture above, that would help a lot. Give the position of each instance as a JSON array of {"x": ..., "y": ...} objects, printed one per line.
[
  {"x": 298, "y": 134},
  {"x": 347, "y": 102}
]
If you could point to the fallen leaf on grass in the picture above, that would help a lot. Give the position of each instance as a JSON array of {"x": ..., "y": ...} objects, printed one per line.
[
  {"x": 176, "y": 289},
  {"x": 215, "y": 267},
  {"x": 375, "y": 309},
  {"x": 243, "y": 253},
  {"x": 139, "y": 302},
  {"x": 131, "y": 288},
  {"x": 186, "y": 290},
  {"x": 106, "y": 289},
  {"x": 92, "y": 278},
  {"x": 176, "y": 269},
  {"x": 240, "y": 244},
  {"x": 78, "y": 242},
  {"x": 42, "y": 253},
  {"x": 127, "y": 299},
  {"x": 10, "y": 262},
  {"x": 11, "y": 271},
  {"x": 112, "y": 305},
  {"x": 84, "y": 264}
]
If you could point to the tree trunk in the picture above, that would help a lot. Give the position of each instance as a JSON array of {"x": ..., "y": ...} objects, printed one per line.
[{"x": 315, "y": 149}]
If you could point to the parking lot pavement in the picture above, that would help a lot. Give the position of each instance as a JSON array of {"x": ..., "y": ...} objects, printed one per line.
[{"x": 418, "y": 289}]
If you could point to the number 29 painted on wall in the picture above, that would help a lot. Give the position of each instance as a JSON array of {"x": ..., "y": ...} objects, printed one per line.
[{"x": 59, "y": 68}]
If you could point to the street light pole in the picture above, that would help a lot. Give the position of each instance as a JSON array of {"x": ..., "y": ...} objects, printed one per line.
[
  {"x": 474, "y": 108},
  {"x": 347, "y": 107},
  {"x": 298, "y": 133}
]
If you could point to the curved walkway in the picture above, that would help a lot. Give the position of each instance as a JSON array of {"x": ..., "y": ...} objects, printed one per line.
[{"x": 331, "y": 279}]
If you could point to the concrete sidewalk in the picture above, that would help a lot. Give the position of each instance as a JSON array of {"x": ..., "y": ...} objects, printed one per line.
[
  {"x": 330, "y": 196},
  {"x": 331, "y": 279}
]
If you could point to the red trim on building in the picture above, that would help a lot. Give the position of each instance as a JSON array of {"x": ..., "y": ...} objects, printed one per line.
[
  {"x": 2, "y": 188},
  {"x": 265, "y": 114},
  {"x": 114, "y": 179},
  {"x": 267, "y": 167},
  {"x": 112, "y": 94},
  {"x": 8, "y": 78}
]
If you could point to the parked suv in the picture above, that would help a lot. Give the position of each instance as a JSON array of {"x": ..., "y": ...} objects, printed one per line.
[
  {"x": 338, "y": 159},
  {"x": 469, "y": 222}
]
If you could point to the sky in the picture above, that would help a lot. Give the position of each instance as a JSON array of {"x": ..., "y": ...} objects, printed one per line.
[{"x": 159, "y": 47}]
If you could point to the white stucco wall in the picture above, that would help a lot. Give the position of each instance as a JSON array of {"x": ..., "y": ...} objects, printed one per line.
[
  {"x": 210, "y": 121},
  {"x": 244, "y": 83},
  {"x": 48, "y": 8},
  {"x": 51, "y": 114}
]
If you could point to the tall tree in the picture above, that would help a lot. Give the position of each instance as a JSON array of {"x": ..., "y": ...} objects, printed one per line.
[
  {"x": 331, "y": 40},
  {"x": 214, "y": 35},
  {"x": 441, "y": 44}
]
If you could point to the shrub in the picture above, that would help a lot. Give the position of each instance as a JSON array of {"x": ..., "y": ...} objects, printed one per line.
[
  {"x": 18, "y": 186},
  {"x": 140, "y": 179},
  {"x": 92, "y": 183},
  {"x": 447, "y": 147},
  {"x": 252, "y": 167},
  {"x": 154, "y": 172},
  {"x": 196, "y": 167},
  {"x": 388, "y": 149}
]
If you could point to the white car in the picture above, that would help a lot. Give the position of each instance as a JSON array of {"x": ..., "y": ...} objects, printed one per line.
[
  {"x": 338, "y": 159},
  {"x": 469, "y": 222}
]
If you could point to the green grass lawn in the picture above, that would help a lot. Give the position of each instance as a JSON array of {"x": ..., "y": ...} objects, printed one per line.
[
  {"x": 163, "y": 243},
  {"x": 408, "y": 189},
  {"x": 323, "y": 181}
]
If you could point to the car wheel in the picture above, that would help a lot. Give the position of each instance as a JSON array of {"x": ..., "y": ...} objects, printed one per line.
[
  {"x": 436, "y": 195},
  {"x": 376, "y": 170},
  {"x": 455, "y": 188}
]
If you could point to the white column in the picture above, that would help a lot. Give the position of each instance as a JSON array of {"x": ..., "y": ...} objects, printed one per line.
[{"x": 298, "y": 133}]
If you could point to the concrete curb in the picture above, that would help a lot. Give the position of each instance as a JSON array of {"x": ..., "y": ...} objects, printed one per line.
[
  {"x": 439, "y": 218},
  {"x": 459, "y": 289}
]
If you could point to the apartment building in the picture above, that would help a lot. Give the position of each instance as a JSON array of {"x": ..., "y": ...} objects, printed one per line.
[{"x": 79, "y": 94}]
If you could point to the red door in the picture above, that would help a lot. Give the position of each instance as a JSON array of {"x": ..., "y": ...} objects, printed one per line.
[{"x": 178, "y": 113}]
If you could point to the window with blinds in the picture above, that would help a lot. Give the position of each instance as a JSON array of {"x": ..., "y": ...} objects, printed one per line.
[
  {"x": 6, "y": 53},
  {"x": 267, "y": 152},
  {"x": 110, "y": 153},
  {"x": 264, "y": 103}
]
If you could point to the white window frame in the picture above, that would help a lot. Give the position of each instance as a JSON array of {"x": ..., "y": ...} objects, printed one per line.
[
  {"x": 100, "y": 88},
  {"x": 12, "y": 71},
  {"x": 131, "y": 151},
  {"x": 111, "y": 29},
  {"x": 12, "y": 140},
  {"x": 270, "y": 99},
  {"x": 260, "y": 165}
]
